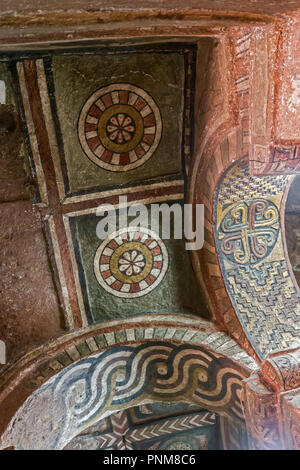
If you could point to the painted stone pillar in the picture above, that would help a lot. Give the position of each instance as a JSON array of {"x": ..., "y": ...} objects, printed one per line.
[{"x": 272, "y": 402}]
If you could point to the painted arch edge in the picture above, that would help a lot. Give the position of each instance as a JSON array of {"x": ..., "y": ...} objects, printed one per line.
[
  {"x": 24, "y": 377},
  {"x": 209, "y": 166},
  {"x": 229, "y": 319}
]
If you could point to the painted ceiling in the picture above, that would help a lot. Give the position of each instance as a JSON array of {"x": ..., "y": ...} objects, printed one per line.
[
  {"x": 100, "y": 123},
  {"x": 86, "y": 121},
  {"x": 155, "y": 426}
]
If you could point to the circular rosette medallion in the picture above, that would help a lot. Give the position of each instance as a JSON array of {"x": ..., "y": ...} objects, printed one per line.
[
  {"x": 119, "y": 127},
  {"x": 131, "y": 262}
]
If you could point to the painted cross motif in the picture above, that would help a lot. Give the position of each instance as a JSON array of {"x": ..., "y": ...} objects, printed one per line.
[
  {"x": 163, "y": 434},
  {"x": 248, "y": 231}
]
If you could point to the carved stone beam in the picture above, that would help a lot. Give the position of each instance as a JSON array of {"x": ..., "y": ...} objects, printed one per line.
[{"x": 272, "y": 402}]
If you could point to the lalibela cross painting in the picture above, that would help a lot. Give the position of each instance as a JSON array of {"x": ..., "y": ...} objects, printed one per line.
[{"x": 122, "y": 144}]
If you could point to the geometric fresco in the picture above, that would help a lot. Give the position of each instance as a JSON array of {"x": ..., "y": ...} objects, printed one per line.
[
  {"x": 119, "y": 127},
  {"x": 132, "y": 271},
  {"x": 115, "y": 121},
  {"x": 131, "y": 262},
  {"x": 115, "y": 332},
  {"x": 248, "y": 232},
  {"x": 161, "y": 426},
  {"x": 128, "y": 375}
]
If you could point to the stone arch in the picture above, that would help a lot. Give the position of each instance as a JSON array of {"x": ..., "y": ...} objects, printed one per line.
[
  {"x": 207, "y": 368},
  {"x": 257, "y": 275},
  {"x": 206, "y": 173},
  {"x": 236, "y": 305}
]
